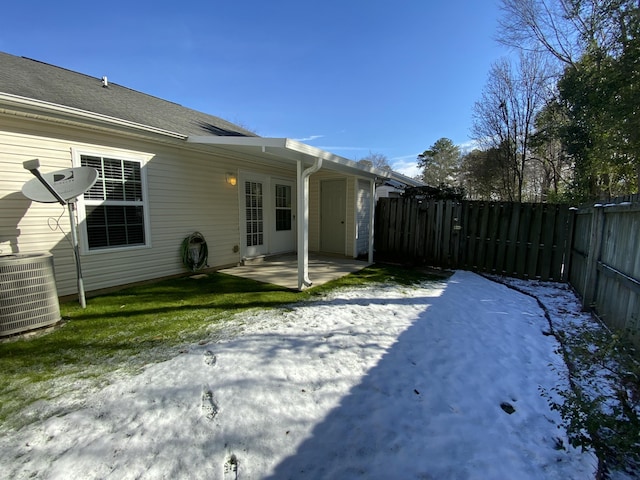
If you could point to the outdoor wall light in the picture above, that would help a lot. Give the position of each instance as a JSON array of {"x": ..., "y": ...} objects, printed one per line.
[{"x": 231, "y": 179}]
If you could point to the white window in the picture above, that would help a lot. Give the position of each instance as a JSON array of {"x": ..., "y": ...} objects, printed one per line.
[
  {"x": 115, "y": 208},
  {"x": 283, "y": 207}
]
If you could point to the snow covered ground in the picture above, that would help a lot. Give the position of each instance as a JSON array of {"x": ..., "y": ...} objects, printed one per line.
[{"x": 439, "y": 381}]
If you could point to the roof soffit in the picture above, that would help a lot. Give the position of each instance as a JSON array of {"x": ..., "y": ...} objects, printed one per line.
[{"x": 287, "y": 149}]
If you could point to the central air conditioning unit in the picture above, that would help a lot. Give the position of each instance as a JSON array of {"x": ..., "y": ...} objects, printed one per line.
[{"x": 28, "y": 294}]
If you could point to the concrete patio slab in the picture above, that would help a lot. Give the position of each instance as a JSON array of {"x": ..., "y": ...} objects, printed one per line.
[{"x": 282, "y": 270}]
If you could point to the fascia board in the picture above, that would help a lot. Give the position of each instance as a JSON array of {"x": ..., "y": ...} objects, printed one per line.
[
  {"x": 40, "y": 107},
  {"x": 412, "y": 182},
  {"x": 292, "y": 150}
]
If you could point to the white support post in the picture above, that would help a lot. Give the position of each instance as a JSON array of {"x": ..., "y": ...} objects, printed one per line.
[
  {"x": 372, "y": 214},
  {"x": 303, "y": 254}
]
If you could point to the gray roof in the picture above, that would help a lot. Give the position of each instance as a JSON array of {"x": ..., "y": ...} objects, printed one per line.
[{"x": 40, "y": 81}]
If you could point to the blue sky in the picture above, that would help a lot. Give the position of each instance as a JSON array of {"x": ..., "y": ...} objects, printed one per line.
[{"x": 350, "y": 76}]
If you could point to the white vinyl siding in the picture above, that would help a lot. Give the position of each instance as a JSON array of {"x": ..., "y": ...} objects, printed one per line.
[
  {"x": 350, "y": 221},
  {"x": 186, "y": 191},
  {"x": 363, "y": 215},
  {"x": 314, "y": 211},
  {"x": 26, "y": 226}
]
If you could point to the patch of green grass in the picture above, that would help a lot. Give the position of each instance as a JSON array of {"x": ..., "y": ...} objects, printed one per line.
[
  {"x": 140, "y": 325},
  {"x": 600, "y": 409},
  {"x": 382, "y": 273}
]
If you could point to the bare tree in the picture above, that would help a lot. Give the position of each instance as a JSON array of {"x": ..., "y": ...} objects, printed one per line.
[
  {"x": 555, "y": 165},
  {"x": 376, "y": 160},
  {"x": 503, "y": 120},
  {"x": 564, "y": 28}
]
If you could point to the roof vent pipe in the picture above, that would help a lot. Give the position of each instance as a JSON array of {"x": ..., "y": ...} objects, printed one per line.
[{"x": 105, "y": 82}]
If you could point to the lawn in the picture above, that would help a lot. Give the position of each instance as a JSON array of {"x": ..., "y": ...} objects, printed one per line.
[
  {"x": 437, "y": 379},
  {"x": 121, "y": 332},
  {"x": 116, "y": 344}
]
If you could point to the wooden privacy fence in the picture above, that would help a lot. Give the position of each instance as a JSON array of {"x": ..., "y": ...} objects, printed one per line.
[
  {"x": 605, "y": 264},
  {"x": 525, "y": 240}
]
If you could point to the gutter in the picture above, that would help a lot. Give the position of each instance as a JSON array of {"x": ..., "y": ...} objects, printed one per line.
[
  {"x": 303, "y": 221},
  {"x": 38, "y": 108}
]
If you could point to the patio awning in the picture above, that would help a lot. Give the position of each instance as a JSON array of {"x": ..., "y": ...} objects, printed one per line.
[
  {"x": 307, "y": 160},
  {"x": 285, "y": 149}
]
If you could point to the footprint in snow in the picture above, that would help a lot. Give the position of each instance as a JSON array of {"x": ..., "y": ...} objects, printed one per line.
[
  {"x": 209, "y": 406},
  {"x": 209, "y": 358},
  {"x": 231, "y": 468}
]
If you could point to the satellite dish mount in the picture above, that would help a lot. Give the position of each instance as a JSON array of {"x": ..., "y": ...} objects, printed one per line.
[{"x": 63, "y": 186}]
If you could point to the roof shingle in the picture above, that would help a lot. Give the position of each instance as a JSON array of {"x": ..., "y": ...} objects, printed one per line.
[{"x": 41, "y": 81}]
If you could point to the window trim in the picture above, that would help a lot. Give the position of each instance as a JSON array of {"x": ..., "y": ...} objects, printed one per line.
[{"x": 83, "y": 236}]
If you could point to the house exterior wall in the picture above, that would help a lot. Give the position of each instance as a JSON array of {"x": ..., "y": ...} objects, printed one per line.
[
  {"x": 187, "y": 192},
  {"x": 363, "y": 215},
  {"x": 351, "y": 217},
  {"x": 388, "y": 191},
  {"x": 315, "y": 210}
]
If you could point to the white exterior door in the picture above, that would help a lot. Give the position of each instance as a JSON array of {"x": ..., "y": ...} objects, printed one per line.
[
  {"x": 253, "y": 197},
  {"x": 333, "y": 213},
  {"x": 267, "y": 215},
  {"x": 283, "y": 231}
]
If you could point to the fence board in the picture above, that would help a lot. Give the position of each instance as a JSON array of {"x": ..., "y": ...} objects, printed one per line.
[
  {"x": 457, "y": 227},
  {"x": 503, "y": 231},
  {"x": 493, "y": 237},
  {"x": 447, "y": 231},
  {"x": 547, "y": 239},
  {"x": 522, "y": 243},
  {"x": 579, "y": 250},
  {"x": 560, "y": 247},
  {"x": 428, "y": 231},
  {"x": 381, "y": 231},
  {"x": 436, "y": 229},
  {"x": 421, "y": 226},
  {"x": 503, "y": 238},
  {"x": 397, "y": 225},
  {"x": 473, "y": 236},
  {"x": 512, "y": 240},
  {"x": 605, "y": 264},
  {"x": 483, "y": 236},
  {"x": 464, "y": 228},
  {"x": 534, "y": 243}
]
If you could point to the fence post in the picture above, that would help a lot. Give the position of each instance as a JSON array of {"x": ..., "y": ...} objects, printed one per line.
[
  {"x": 568, "y": 248},
  {"x": 591, "y": 270}
]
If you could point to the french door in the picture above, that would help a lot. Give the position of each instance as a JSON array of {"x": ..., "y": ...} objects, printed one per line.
[
  {"x": 254, "y": 217},
  {"x": 267, "y": 215}
]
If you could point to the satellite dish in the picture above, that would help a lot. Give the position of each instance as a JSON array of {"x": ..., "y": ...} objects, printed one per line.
[
  {"x": 62, "y": 186},
  {"x": 68, "y": 183}
]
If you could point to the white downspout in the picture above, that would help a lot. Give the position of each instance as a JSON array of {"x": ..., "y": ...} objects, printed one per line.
[
  {"x": 303, "y": 221},
  {"x": 372, "y": 214}
]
